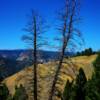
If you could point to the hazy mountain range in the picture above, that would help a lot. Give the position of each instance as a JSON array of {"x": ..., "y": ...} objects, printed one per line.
[{"x": 12, "y": 61}]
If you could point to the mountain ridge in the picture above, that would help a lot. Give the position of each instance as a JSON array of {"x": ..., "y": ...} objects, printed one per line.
[{"x": 46, "y": 73}]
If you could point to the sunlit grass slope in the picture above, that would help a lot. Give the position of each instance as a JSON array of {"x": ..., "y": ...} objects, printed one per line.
[{"x": 46, "y": 74}]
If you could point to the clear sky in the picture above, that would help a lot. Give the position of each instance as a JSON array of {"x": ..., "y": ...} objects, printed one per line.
[{"x": 13, "y": 19}]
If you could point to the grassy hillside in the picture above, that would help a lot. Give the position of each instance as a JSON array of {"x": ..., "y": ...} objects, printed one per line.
[{"x": 46, "y": 73}]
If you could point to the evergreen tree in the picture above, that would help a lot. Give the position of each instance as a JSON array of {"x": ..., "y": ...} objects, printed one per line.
[
  {"x": 77, "y": 90},
  {"x": 9, "y": 97},
  {"x": 4, "y": 92},
  {"x": 93, "y": 86},
  {"x": 80, "y": 85},
  {"x": 20, "y": 93},
  {"x": 83, "y": 89},
  {"x": 91, "y": 91},
  {"x": 97, "y": 66},
  {"x": 88, "y": 52},
  {"x": 87, "y": 98},
  {"x": 67, "y": 91},
  {"x": 97, "y": 73}
]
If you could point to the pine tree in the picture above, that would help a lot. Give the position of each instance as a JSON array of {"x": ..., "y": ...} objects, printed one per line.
[
  {"x": 93, "y": 85},
  {"x": 67, "y": 91},
  {"x": 20, "y": 93},
  {"x": 97, "y": 73},
  {"x": 9, "y": 97},
  {"x": 97, "y": 66},
  {"x": 87, "y": 98},
  {"x": 76, "y": 91},
  {"x": 4, "y": 92},
  {"x": 83, "y": 89},
  {"x": 91, "y": 90},
  {"x": 80, "y": 85}
]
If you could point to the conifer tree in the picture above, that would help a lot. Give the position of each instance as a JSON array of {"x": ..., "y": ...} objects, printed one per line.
[
  {"x": 20, "y": 93},
  {"x": 4, "y": 92},
  {"x": 97, "y": 66},
  {"x": 93, "y": 85},
  {"x": 67, "y": 91},
  {"x": 80, "y": 85},
  {"x": 76, "y": 90}
]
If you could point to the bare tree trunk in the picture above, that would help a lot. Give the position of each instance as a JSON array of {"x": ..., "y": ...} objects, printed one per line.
[
  {"x": 34, "y": 27},
  {"x": 34, "y": 38},
  {"x": 65, "y": 42},
  {"x": 56, "y": 76},
  {"x": 35, "y": 61}
]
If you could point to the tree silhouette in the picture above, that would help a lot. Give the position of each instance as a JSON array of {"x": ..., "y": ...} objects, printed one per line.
[
  {"x": 80, "y": 85},
  {"x": 67, "y": 91},
  {"x": 4, "y": 92},
  {"x": 76, "y": 90},
  {"x": 34, "y": 39},
  {"x": 67, "y": 18}
]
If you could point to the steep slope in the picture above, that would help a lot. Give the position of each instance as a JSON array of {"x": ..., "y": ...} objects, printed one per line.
[{"x": 46, "y": 73}]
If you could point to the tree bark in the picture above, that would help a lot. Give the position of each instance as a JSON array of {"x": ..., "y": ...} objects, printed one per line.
[
  {"x": 65, "y": 44},
  {"x": 56, "y": 75},
  {"x": 35, "y": 61}
]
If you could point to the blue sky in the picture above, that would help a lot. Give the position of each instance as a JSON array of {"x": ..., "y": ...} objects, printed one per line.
[{"x": 13, "y": 19}]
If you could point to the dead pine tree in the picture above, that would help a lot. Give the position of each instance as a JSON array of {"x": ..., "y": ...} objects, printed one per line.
[
  {"x": 70, "y": 35},
  {"x": 34, "y": 28}
]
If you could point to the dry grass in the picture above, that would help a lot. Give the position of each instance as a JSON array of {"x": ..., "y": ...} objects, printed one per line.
[{"x": 46, "y": 73}]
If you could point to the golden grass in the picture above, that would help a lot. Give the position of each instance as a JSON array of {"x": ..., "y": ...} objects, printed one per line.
[{"x": 46, "y": 73}]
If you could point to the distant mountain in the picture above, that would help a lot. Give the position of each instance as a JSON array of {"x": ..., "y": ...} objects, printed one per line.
[
  {"x": 27, "y": 54},
  {"x": 12, "y": 61},
  {"x": 11, "y": 53},
  {"x": 9, "y": 64}
]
